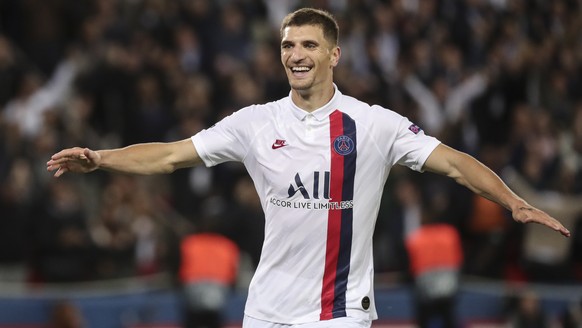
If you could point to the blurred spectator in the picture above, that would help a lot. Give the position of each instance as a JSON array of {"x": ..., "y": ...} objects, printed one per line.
[
  {"x": 525, "y": 311},
  {"x": 266, "y": 73},
  {"x": 149, "y": 233},
  {"x": 126, "y": 231},
  {"x": 111, "y": 230},
  {"x": 571, "y": 151},
  {"x": 436, "y": 257},
  {"x": 208, "y": 270},
  {"x": 537, "y": 158},
  {"x": 151, "y": 117},
  {"x": 393, "y": 230},
  {"x": 546, "y": 258},
  {"x": 231, "y": 41},
  {"x": 243, "y": 89},
  {"x": 189, "y": 186},
  {"x": 488, "y": 245},
  {"x": 34, "y": 98},
  {"x": 66, "y": 314},
  {"x": 189, "y": 50},
  {"x": 572, "y": 317},
  {"x": 385, "y": 42},
  {"x": 10, "y": 70},
  {"x": 247, "y": 223},
  {"x": 109, "y": 82},
  {"x": 63, "y": 249},
  {"x": 194, "y": 98},
  {"x": 442, "y": 105},
  {"x": 16, "y": 196}
]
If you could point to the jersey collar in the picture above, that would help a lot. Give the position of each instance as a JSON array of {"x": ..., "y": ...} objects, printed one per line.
[{"x": 322, "y": 112}]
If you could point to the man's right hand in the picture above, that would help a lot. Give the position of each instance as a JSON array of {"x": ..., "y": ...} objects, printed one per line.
[{"x": 77, "y": 160}]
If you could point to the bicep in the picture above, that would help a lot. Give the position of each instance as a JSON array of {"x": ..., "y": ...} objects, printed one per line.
[
  {"x": 444, "y": 160},
  {"x": 463, "y": 168},
  {"x": 184, "y": 154}
]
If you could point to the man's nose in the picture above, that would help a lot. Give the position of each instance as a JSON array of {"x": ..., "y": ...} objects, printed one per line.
[{"x": 297, "y": 54}]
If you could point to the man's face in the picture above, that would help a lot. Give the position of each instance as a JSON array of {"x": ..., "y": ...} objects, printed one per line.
[{"x": 308, "y": 57}]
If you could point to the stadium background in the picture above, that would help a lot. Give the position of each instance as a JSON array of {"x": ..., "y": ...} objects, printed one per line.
[{"x": 499, "y": 79}]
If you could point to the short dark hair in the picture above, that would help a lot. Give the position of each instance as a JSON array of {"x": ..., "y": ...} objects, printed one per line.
[{"x": 317, "y": 17}]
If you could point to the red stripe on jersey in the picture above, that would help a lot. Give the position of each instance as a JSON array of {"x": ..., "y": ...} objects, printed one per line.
[{"x": 334, "y": 220}]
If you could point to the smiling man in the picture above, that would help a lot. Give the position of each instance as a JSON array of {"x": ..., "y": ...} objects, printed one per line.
[
  {"x": 309, "y": 52},
  {"x": 319, "y": 160}
]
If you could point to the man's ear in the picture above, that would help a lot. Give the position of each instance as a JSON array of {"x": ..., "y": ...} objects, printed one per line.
[{"x": 335, "y": 56}]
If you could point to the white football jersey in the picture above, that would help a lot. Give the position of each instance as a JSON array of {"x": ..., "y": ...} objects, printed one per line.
[{"x": 320, "y": 177}]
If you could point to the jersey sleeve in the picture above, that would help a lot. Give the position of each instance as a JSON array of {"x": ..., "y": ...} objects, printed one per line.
[
  {"x": 227, "y": 140},
  {"x": 404, "y": 142},
  {"x": 414, "y": 145}
]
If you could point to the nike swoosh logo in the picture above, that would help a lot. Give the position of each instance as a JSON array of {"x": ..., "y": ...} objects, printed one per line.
[{"x": 277, "y": 146}]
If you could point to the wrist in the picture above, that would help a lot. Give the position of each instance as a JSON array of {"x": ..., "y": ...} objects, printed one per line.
[
  {"x": 520, "y": 205},
  {"x": 99, "y": 159}
]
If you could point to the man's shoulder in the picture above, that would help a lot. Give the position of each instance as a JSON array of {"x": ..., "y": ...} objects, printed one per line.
[
  {"x": 256, "y": 116},
  {"x": 267, "y": 107},
  {"x": 357, "y": 107},
  {"x": 350, "y": 100}
]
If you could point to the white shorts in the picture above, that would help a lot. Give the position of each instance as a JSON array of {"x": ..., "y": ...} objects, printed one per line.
[{"x": 344, "y": 322}]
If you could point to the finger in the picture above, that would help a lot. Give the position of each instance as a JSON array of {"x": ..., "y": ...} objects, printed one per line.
[
  {"x": 67, "y": 153},
  {"x": 64, "y": 158},
  {"x": 51, "y": 167},
  {"x": 61, "y": 154},
  {"x": 87, "y": 153},
  {"x": 565, "y": 232},
  {"x": 90, "y": 155},
  {"x": 557, "y": 226},
  {"x": 62, "y": 170},
  {"x": 58, "y": 161}
]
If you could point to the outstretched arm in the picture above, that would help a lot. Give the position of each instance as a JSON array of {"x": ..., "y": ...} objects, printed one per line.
[
  {"x": 146, "y": 158},
  {"x": 472, "y": 174}
]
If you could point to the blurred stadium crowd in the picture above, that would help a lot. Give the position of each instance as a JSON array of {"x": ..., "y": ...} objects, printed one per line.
[{"x": 499, "y": 79}]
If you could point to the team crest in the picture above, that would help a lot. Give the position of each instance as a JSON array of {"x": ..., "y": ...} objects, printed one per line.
[
  {"x": 414, "y": 128},
  {"x": 343, "y": 145}
]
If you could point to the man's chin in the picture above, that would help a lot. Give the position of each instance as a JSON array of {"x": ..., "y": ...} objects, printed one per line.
[{"x": 300, "y": 86}]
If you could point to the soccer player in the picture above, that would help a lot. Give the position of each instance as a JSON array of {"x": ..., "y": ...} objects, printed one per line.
[{"x": 319, "y": 160}]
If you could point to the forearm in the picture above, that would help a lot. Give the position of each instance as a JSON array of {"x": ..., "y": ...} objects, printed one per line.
[
  {"x": 148, "y": 158},
  {"x": 484, "y": 182},
  {"x": 469, "y": 172},
  {"x": 547, "y": 200}
]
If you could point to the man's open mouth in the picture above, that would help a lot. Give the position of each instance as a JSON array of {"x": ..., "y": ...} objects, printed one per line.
[{"x": 298, "y": 70}]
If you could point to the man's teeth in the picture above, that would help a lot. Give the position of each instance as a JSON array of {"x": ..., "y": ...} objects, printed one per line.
[{"x": 300, "y": 69}]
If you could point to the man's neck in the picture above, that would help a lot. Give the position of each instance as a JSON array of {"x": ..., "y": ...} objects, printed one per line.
[{"x": 310, "y": 100}]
